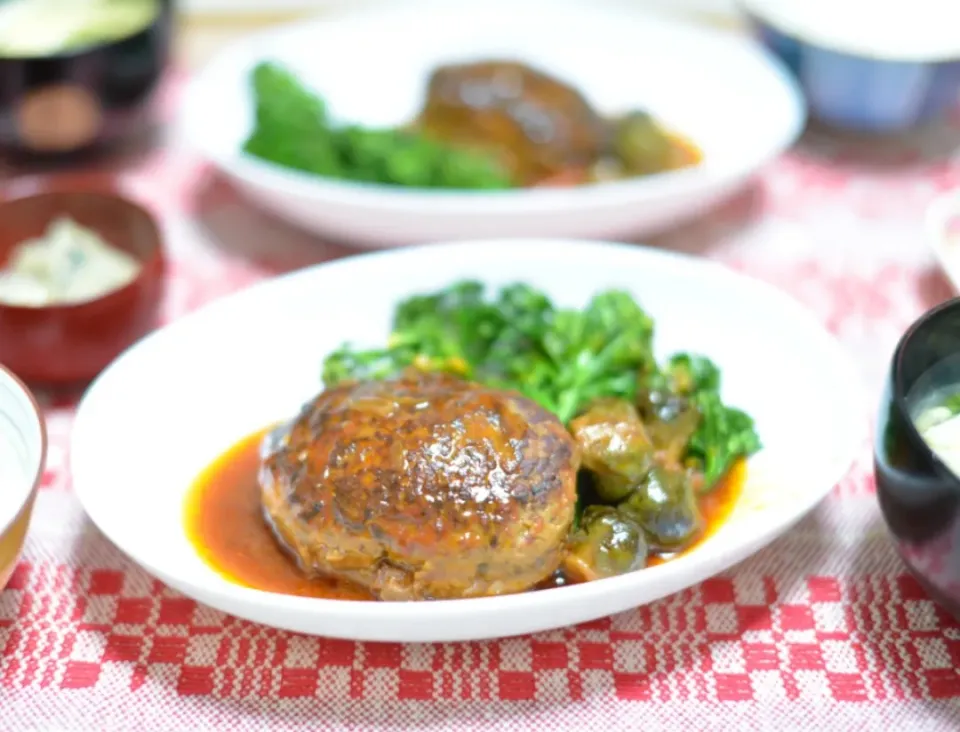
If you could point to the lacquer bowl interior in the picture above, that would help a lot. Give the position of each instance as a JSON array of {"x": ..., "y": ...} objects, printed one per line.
[{"x": 919, "y": 495}]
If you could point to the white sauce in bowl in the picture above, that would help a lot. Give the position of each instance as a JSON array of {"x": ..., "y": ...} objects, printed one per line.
[
  {"x": 940, "y": 429},
  {"x": 896, "y": 30},
  {"x": 69, "y": 264},
  {"x": 31, "y": 28}
]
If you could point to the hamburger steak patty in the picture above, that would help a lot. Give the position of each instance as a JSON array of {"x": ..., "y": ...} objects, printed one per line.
[{"x": 423, "y": 487}]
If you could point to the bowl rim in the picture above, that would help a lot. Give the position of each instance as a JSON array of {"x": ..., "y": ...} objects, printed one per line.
[
  {"x": 165, "y": 13},
  {"x": 899, "y": 394},
  {"x": 5, "y": 523},
  {"x": 756, "y": 12},
  {"x": 147, "y": 264}
]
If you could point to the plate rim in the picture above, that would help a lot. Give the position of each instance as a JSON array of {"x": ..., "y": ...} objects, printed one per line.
[{"x": 236, "y": 600}]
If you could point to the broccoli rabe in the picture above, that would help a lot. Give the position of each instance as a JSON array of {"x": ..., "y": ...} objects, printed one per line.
[
  {"x": 561, "y": 358},
  {"x": 292, "y": 128},
  {"x": 724, "y": 433}
]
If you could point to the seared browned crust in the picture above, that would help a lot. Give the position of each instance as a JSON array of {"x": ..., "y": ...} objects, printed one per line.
[
  {"x": 423, "y": 487},
  {"x": 546, "y": 125}
]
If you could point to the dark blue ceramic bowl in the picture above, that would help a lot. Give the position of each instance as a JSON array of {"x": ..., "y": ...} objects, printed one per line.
[
  {"x": 919, "y": 495},
  {"x": 864, "y": 94},
  {"x": 81, "y": 99}
]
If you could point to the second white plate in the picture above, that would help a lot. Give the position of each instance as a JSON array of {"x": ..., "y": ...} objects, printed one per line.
[{"x": 723, "y": 91}]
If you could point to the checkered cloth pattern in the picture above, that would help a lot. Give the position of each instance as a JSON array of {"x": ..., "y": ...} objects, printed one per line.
[{"x": 823, "y": 630}]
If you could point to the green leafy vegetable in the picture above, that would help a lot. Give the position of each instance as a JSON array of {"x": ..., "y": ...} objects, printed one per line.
[
  {"x": 952, "y": 403},
  {"x": 724, "y": 433},
  {"x": 561, "y": 358},
  {"x": 293, "y": 129},
  {"x": 449, "y": 331},
  {"x": 598, "y": 350},
  {"x": 291, "y": 125}
]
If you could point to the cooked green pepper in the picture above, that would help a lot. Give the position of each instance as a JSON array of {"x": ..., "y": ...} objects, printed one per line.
[
  {"x": 641, "y": 145},
  {"x": 615, "y": 447},
  {"x": 607, "y": 543},
  {"x": 670, "y": 420},
  {"x": 665, "y": 505},
  {"x": 722, "y": 434}
]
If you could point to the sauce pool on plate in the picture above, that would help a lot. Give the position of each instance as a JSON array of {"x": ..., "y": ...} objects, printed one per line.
[{"x": 224, "y": 522}]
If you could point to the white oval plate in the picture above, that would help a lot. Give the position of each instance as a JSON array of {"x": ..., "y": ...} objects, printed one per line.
[
  {"x": 177, "y": 400},
  {"x": 372, "y": 66}
]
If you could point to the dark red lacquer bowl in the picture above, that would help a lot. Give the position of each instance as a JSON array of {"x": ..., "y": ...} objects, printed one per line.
[{"x": 66, "y": 345}]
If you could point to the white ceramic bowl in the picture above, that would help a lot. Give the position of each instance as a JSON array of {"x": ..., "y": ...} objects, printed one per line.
[
  {"x": 23, "y": 451},
  {"x": 866, "y": 66},
  {"x": 372, "y": 67},
  {"x": 223, "y": 381}
]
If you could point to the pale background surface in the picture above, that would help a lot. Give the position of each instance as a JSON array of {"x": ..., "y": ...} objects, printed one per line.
[
  {"x": 235, "y": 6},
  {"x": 207, "y": 25}
]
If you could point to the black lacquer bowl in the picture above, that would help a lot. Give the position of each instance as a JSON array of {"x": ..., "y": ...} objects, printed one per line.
[
  {"x": 919, "y": 495},
  {"x": 82, "y": 99}
]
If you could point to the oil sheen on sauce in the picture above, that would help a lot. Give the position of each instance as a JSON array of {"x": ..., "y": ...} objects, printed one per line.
[{"x": 225, "y": 524}]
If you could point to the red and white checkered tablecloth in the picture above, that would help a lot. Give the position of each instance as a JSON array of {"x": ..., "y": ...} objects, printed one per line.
[{"x": 823, "y": 630}]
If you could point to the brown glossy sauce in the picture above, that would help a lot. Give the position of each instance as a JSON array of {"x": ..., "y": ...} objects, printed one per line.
[
  {"x": 225, "y": 524},
  {"x": 684, "y": 153}
]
